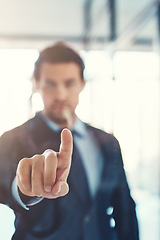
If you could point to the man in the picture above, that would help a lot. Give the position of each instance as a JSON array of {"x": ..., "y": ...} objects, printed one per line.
[{"x": 56, "y": 194}]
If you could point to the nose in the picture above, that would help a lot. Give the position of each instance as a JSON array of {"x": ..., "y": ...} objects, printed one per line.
[{"x": 60, "y": 93}]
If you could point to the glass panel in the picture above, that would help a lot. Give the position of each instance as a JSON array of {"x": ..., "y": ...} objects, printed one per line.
[{"x": 128, "y": 106}]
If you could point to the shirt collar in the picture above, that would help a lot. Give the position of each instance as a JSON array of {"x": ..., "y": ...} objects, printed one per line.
[
  {"x": 51, "y": 124},
  {"x": 78, "y": 127}
]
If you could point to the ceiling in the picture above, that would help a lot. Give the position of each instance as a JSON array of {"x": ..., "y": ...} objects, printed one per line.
[{"x": 88, "y": 24}]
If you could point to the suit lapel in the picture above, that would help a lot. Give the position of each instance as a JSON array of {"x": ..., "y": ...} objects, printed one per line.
[
  {"x": 101, "y": 143},
  {"x": 42, "y": 136},
  {"x": 75, "y": 177}
]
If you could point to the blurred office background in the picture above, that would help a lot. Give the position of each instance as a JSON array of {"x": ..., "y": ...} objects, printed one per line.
[{"x": 119, "y": 41}]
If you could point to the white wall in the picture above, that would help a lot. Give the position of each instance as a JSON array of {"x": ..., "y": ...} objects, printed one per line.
[{"x": 38, "y": 17}]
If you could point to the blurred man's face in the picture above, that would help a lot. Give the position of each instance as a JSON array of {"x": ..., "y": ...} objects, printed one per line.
[{"x": 60, "y": 85}]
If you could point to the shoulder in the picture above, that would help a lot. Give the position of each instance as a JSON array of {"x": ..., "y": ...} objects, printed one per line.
[
  {"x": 14, "y": 133},
  {"x": 108, "y": 143},
  {"x": 101, "y": 134},
  {"x": 17, "y": 142}
]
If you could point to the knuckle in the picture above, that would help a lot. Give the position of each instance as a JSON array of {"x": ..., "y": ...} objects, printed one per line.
[
  {"x": 50, "y": 152},
  {"x": 22, "y": 162},
  {"x": 21, "y": 168},
  {"x": 37, "y": 157}
]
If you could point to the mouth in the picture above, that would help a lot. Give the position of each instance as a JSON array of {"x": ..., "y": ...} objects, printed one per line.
[
  {"x": 61, "y": 114},
  {"x": 60, "y": 107}
]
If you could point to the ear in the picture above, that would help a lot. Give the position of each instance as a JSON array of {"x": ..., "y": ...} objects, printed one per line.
[
  {"x": 35, "y": 85},
  {"x": 83, "y": 84}
]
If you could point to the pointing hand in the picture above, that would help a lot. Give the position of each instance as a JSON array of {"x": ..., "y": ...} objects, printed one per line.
[{"x": 46, "y": 174}]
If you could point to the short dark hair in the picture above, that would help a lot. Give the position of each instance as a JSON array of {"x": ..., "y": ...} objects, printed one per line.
[{"x": 58, "y": 53}]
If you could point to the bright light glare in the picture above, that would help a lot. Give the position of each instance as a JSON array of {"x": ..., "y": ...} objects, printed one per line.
[
  {"x": 16, "y": 70},
  {"x": 136, "y": 65},
  {"x": 6, "y": 222}
]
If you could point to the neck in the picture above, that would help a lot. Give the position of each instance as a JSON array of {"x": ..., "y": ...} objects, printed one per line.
[
  {"x": 69, "y": 122},
  {"x": 66, "y": 123}
]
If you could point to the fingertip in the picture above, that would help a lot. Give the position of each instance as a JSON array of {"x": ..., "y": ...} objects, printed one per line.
[
  {"x": 66, "y": 131},
  {"x": 66, "y": 134},
  {"x": 66, "y": 145}
]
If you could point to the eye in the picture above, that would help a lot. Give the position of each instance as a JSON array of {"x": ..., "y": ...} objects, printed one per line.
[
  {"x": 50, "y": 85},
  {"x": 69, "y": 84}
]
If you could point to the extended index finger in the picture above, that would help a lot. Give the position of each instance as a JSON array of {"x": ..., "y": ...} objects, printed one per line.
[{"x": 66, "y": 147}]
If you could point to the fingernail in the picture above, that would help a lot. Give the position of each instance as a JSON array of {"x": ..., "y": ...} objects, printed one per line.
[
  {"x": 59, "y": 189},
  {"x": 48, "y": 188}
]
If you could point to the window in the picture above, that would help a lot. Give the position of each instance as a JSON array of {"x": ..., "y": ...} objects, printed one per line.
[{"x": 122, "y": 95}]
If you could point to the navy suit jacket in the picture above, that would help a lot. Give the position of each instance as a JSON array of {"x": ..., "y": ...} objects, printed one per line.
[{"x": 109, "y": 216}]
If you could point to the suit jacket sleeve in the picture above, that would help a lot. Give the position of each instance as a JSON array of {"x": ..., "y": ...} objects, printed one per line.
[
  {"x": 9, "y": 158},
  {"x": 124, "y": 206},
  {"x": 12, "y": 150}
]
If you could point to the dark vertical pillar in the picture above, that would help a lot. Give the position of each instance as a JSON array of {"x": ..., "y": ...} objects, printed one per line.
[
  {"x": 112, "y": 20},
  {"x": 87, "y": 22}
]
